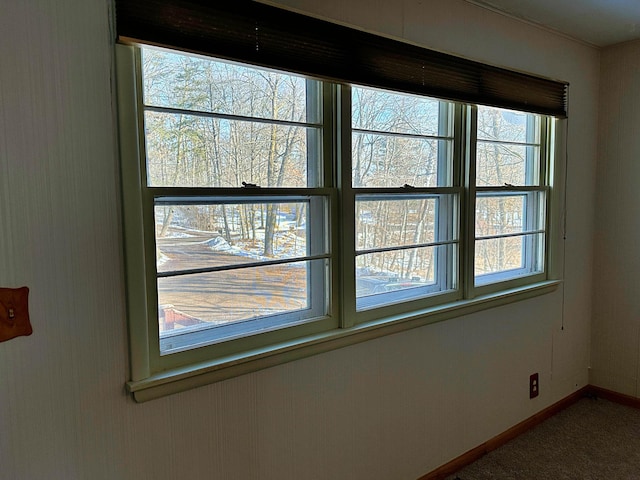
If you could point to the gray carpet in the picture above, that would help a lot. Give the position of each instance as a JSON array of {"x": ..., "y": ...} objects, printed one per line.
[{"x": 592, "y": 439}]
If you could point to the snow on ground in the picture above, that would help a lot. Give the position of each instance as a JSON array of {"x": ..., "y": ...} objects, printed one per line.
[{"x": 287, "y": 245}]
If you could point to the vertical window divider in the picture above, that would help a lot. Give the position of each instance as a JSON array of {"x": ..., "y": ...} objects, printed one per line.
[
  {"x": 545, "y": 153},
  {"x": 556, "y": 201},
  {"x": 347, "y": 208},
  {"x": 546, "y": 167},
  {"x": 460, "y": 148},
  {"x": 331, "y": 176},
  {"x": 469, "y": 125}
]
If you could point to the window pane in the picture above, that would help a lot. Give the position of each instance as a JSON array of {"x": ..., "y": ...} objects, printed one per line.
[
  {"x": 497, "y": 124},
  {"x": 391, "y": 161},
  {"x": 500, "y": 164},
  {"x": 191, "y": 151},
  {"x": 396, "y": 112},
  {"x": 411, "y": 264},
  {"x": 498, "y": 259},
  {"x": 198, "y": 301},
  {"x": 503, "y": 214},
  {"x": 390, "y": 277},
  {"x": 393, "y": 223},
  {"x": 508, "y": 148},
  {"x": 500, "y": 215},
  {"x": 394, "y": 140},
  {"x": 178, "y": 80},
  {"x": 200, "y": 236}
]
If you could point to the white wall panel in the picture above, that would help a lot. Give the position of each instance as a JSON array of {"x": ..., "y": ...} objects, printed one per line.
[
  {"x": 395, "y": 407},
  {"x": 616, "y": 321}
]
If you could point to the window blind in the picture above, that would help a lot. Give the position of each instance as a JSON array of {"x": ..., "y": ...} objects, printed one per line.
[{"x": 269, "y": 36}]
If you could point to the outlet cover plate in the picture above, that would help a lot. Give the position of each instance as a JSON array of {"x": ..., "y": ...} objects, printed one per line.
[{"x": 534, "y": 386}]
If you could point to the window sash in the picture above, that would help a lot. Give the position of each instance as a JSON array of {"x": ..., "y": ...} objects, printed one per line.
[
  {"x": 188, "y": 338},
  {"x": 531, "y": 264},
  {"x": 445, "y": 243}
]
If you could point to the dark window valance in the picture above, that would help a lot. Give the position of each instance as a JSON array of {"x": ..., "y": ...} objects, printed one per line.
[{"x": 264, "y": 35}]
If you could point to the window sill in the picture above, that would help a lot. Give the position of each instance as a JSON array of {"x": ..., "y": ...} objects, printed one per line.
[{"x": 196, "y": 375}]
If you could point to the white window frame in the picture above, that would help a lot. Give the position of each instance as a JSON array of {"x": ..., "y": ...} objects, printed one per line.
[
  {"x": 188, "y": 347},
  {"x": 154, "y": 375},
  {"x": 449, "y": 190},
  {"x": 536, "y": 194}
]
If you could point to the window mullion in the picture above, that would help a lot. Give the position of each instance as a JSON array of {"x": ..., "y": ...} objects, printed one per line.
[
  {"x": 330, "y": 175},
  {"x": 544, "y": 180},
  {"x": 468, "y": 140},
  {"x": 347, "y": 209},
  {"x": 547, "y": 142}
]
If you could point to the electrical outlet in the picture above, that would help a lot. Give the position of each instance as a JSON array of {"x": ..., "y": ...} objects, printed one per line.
[{"x": 534, "y": 386}]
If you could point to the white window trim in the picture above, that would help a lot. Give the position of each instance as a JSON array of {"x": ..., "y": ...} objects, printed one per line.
[
  {"x": 203, "y": 373},
  {"x": 503, "y": 280},
  {"x": 351, "y": 314},
  {"x": 148, "y": 381}
]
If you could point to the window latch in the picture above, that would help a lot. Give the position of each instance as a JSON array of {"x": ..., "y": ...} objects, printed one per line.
[
  {"x": 509, "y": 185},
  {"x": 408, "y": 187},
  {"x": 249, "y": 185}
]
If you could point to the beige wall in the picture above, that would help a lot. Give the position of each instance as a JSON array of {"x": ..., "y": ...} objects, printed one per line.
[
  {"x": 616, "y": 303},
  {"x": 395, "y": 407}
]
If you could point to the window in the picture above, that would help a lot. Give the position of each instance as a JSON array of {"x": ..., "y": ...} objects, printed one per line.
[
  {"x": 234, "y": 170},
  {"x": 405, "y": 197},
  {"x": 234, "y": 202},
  {"x": 511, "y": 192},
  {"x": 270, "y": 215}
]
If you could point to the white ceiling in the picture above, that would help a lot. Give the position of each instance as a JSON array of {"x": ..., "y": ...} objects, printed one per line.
[{"x": 598, "y": 22}]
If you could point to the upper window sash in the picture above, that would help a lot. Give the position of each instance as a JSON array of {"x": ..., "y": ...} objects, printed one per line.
[{"x": 208, "y": 112}]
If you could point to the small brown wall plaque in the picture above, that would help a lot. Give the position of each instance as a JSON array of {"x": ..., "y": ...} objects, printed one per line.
[{"x": 14, "y": 313}]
